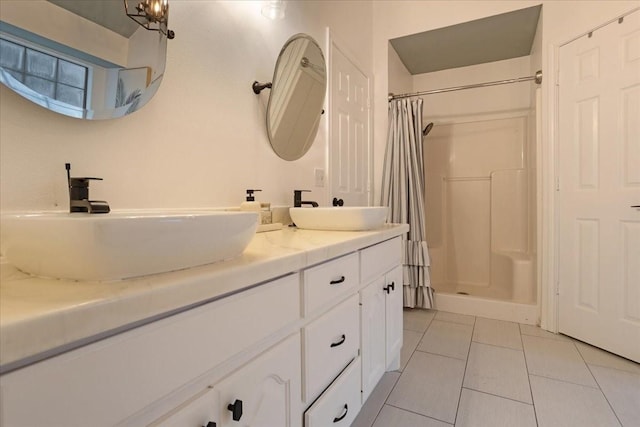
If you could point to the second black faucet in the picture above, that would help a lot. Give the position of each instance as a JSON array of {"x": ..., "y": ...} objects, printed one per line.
[{"x": 298, "y": 202}]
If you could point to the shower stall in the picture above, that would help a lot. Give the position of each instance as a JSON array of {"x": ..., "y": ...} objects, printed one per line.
[
  {"x": 480, "y": 190},
  {"x": 481, "y": 215},
  {"x": 480, "y": 158}
]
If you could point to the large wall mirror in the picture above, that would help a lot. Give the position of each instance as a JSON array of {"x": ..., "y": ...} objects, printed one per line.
[
  {"x": 82, "y": 58},
  {"x": 297, "y": 97}
]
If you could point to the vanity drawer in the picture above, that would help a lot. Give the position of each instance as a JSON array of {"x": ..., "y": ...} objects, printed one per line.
[
  {"x": 110, "y": 380},
  {"x": 326, "y": 282},
  {"x": 340, "y": 403},
  {"x": 378, "y": 259},
  {"x": 330, "y": 343}
]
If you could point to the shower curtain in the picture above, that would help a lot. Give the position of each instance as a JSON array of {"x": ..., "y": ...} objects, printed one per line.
[{"x": 403, "y": 193}]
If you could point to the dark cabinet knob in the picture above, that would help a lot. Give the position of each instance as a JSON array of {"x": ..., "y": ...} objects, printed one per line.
[
  {"x": 393, "y": 286},
  {"x": 211, "y": 424},
  {"x": 338, "y": 202},
  {"x": 236, "y": 410}
]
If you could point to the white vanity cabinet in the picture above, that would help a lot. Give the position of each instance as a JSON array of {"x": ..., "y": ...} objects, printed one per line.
[
  {"x": 380, "y": 312},
  {"x": 115, "y": 379},
  {"x": 306, "y": 349}
]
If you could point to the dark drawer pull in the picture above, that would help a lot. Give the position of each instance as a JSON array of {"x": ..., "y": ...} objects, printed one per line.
[
  {"x": 335, "y": 282},
  {"x": 211, "y": 424},
  {"x": 342, "y": 340},
  {"x": 346, "y": 411}
]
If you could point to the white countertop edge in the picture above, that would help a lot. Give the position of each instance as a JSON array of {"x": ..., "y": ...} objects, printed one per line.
[{"x": 43, "y": 317}]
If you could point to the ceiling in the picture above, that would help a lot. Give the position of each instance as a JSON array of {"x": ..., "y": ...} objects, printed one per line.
[
  {"x": 107, "y": 13},
  {"x": 505, "y": 36}
]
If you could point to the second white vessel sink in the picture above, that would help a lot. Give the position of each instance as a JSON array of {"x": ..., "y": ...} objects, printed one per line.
[
  {"x": 356, "y": 218},
  {"x": 121, "y": 245}
]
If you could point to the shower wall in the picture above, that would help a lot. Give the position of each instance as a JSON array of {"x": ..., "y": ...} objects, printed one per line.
[{"x": 477, "y": 203}]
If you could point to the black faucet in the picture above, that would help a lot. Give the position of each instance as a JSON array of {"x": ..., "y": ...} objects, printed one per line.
[
  {"x": 297, "y": 199},
  {"x": 79, "y": 195}
]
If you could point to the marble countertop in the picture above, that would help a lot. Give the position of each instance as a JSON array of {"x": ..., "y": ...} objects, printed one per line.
[{"x": 42, "y": 317}]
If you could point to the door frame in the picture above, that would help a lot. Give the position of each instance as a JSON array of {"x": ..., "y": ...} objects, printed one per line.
[
  {"x": 334, "y": 41},
  {"x": 548, "y": 185}
]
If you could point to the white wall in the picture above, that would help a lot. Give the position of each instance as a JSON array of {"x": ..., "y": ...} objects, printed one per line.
[
  {"x": 450, "y": 106},
  {"x": 201, "y": 141},
  {"x": 400, "y": 80}
]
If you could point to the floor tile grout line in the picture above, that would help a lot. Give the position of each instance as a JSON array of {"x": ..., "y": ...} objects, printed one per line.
[
  {"x": 526, "y": 367},
  {"x": 599, "y": 365},
  {"x": 415, "y": 348},
  {"x": 401, "y": 372},
  {"x": 596, "y": 380},
  {"x": 546, "y": 338},
  {"x": 418, "y": 413},
  {"x": 459, "y": 358},
  {"x": 403, "y": 368},
  {"x": 564, "y": 381},
  {"x": 496, "y": 345},
  {"x": 464, "y": 374},
  {"x": 442, "y": 355},
  {"x": 456, "y": 323},
  {"x": 385, "y": 400},
  {"x": 497, "y": 395},
  {"x": 573, "y": 340}
]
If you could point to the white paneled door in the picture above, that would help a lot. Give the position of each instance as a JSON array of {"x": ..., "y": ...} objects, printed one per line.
[
  {"x": 599, "y": 182},
  {"x": 350, "y": 131}
]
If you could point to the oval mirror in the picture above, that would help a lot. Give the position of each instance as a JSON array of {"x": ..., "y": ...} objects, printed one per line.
[
  {"x": 296, "y": 98},
  {"x": 85, "y": 59}
]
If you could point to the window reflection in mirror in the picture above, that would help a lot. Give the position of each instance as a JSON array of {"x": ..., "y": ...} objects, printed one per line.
[{"x": 84, "y": 59}]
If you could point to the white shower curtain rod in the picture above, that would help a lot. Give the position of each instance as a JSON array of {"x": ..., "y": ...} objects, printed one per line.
[{"x": 537, "y": 78}]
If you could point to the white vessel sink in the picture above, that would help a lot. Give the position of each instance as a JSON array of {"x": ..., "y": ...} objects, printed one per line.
[
  {"x": 357, "y": 218},
  {"x": 120, "y": 245}
]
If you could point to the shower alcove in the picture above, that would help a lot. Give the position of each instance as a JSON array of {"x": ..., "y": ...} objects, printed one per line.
[{"x": 480, "y": 160}]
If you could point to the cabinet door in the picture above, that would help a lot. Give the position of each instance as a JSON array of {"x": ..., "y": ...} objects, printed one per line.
[
  {"x": 394, "y": 316},
  {"x": 266, "y": 392},
  {"x": 373, "y": 349}
]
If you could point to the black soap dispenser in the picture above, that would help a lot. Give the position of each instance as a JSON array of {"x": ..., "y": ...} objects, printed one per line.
[{"x": 250, "y": 204}]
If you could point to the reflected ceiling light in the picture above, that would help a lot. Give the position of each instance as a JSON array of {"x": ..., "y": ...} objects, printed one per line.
[
  {"x": 152, "y": 15},
  {"x": 274, "y": 9}
]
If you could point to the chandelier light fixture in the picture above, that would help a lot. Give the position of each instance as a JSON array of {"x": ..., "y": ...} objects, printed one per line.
[{"x": 152, "y": 15}]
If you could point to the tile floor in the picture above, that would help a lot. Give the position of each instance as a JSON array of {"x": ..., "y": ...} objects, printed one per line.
[{"x": 470, "y": 371}]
